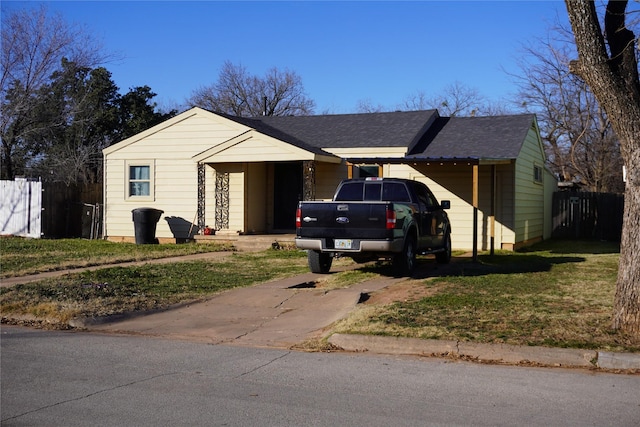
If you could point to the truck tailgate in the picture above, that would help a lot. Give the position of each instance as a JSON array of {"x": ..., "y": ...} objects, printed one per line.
[{"x": 344, "y": 220}]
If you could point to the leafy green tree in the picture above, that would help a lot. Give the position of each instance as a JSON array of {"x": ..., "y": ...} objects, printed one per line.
[
  {"x": 79, "y": 113},
  {"x": 77, "y": 117},
  {"x": 137, "y": 112}
]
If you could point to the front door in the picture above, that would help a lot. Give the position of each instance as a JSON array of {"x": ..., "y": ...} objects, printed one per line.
[{"x": 287, "y": 192}]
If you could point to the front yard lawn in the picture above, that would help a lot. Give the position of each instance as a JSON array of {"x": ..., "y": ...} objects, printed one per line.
[
  {"x": 555, "y": 294},
  {"x": 21, "y": 257},
  {"x": 115, "y": 290}
]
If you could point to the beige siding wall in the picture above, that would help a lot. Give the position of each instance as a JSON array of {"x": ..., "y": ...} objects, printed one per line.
[
  {"x": 256, "y": 205},
  {"x": 367, "y": 152},
  {"x": 328, "y": 176},
  {"x": 175, "y": 194},
  {"x": 264, "y": 148},
  {"x": 170, "y": 151},
  {"x": 530, "y": 200},
  {"x": 505, "y": 209},
  {"x": 455, "y": 183},
  {"x": 182, "y": 140}
]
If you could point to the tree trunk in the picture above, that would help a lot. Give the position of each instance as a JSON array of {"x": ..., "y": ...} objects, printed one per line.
[{"x": 615, "y": 83}]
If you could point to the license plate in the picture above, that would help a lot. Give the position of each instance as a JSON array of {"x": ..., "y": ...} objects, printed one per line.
[{"x": 342, "y": 243}]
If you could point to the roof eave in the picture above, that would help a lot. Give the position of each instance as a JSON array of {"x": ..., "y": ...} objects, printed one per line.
[{"x": 408, "y": 160}]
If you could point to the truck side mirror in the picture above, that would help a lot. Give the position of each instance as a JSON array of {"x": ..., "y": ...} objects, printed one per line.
[{"x": 445, "y": 204}]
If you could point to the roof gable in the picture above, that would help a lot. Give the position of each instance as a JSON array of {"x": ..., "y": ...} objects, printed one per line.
[
  {"x": 182, "y": 117},
  {"x": 244, "y": 147}
]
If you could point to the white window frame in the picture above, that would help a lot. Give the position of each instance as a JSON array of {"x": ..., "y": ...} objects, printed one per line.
[
  {"x": 127, "y": 190},
  {"x": 538, "y": 178}
]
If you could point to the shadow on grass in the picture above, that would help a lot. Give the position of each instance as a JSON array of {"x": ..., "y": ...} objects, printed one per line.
[
  {"x": 568, "y": 246},
  {"x": 513, "y": 263},
  {"x": 540, "y": 257}
]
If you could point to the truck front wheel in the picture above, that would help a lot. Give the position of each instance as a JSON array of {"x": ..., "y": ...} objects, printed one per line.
[{"x": 319, "y": 262}]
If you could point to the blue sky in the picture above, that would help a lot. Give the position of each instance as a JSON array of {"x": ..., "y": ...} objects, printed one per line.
[{"x": 344, "y": 52}]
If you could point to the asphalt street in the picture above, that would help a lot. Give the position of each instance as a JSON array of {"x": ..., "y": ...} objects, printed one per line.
[{"x": 56, "y": 378}]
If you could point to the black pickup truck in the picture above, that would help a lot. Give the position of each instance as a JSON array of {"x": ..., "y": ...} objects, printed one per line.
[{"x": 374, "y": 218}]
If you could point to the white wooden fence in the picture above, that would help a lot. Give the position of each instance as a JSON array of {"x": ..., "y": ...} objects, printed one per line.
[{"x": 21, "y": 208}]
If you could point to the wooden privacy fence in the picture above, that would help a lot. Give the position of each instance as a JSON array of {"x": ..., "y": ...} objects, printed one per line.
[
  {"x": 51, "y": 210},
  {"x": 587, "y": 215},
  {"x": 72, "y": 211}
]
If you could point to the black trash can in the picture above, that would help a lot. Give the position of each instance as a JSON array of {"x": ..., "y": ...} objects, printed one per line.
[{"x": 144, "y": 222}]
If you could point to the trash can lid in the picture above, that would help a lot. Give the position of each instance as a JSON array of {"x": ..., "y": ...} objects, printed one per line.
[{"x": 147, "y": 210}]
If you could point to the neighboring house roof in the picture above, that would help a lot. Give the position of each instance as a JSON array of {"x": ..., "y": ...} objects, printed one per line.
[
  {"x": 396, "y": 129},
  {"x": 493, "y": 137}
]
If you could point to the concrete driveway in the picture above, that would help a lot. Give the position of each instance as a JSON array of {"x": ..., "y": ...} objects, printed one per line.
[{"x": 280, "y": 313}]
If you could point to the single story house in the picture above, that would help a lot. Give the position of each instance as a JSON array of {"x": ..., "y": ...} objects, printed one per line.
[{"x": 245, "y": 175}]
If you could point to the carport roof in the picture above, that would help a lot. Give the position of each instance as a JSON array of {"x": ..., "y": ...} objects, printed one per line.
[{"x": 492, "y": 137}]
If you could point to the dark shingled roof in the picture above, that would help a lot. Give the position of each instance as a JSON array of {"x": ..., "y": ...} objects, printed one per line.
[
  {"x": 424, "y": 133},
  {"x": 265, "y": 129},
  {"x": 397, "y": 129},
  {"x": 493, "y": 137}
]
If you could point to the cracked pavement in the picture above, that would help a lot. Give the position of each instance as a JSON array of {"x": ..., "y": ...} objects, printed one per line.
[{"x": 280, "y": 314}]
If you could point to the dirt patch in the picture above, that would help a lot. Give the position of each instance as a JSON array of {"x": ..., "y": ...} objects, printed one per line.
[{"x": 401, "y": 292}]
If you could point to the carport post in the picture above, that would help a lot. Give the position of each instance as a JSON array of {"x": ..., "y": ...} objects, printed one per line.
[
  {"x": 492, "y": 218},
  {"x": 475, "y": 213}
]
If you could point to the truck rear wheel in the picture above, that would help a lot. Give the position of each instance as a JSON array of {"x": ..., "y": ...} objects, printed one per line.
[
  {"x": 319, "y": 262},
  {"x": 445, "y": 256},
  {"x": 405, "y": 262}
]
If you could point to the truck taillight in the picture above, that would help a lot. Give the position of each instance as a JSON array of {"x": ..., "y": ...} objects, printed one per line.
[
  {"x": 298, "y": 220},
  {"x": 391, "y": 219}
]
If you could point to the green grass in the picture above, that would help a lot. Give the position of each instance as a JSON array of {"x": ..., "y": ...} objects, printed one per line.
[
  {"x": 557, "y": 294},
  {"x": 118, "y": 290},
  {"x": 20, "y": 257}
]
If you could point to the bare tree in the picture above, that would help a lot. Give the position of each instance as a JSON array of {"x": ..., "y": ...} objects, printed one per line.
[
  {"x": 368, "y": 106},
  {"x": 608, "y": 63},
  {"x": 278, "y": 93},
  {"x": 456, "y": 99},
  {"x": 579, "y": 141},
  {"x": 33, "y": 45}
]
